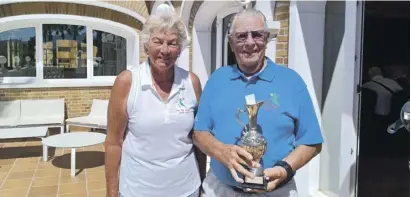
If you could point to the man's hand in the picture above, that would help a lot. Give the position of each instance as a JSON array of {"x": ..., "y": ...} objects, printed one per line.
[
  {"x": 275, "y": 176},
  {"x": 232, "y": 157}
]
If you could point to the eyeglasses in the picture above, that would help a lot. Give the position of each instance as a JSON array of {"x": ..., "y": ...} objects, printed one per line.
[{"x": 259, "y": 35}]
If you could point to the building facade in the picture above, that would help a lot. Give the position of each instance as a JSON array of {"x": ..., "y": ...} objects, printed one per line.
[{"x": 75, "y": 49}]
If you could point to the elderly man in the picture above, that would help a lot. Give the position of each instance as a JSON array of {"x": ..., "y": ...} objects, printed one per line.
[{"x": 287, "y": 118}]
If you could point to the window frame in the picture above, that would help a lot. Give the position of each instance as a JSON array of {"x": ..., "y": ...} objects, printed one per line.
[{"x": 38, "y": 20}]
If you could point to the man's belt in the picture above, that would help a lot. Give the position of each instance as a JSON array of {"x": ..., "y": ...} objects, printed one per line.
[{"x": 240, "y": 190}]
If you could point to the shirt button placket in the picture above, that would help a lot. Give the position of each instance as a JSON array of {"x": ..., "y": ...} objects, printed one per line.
[{"x": 166, "y": 113}]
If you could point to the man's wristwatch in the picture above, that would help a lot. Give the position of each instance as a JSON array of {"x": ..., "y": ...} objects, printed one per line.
[{"x": 288, "y": 169}]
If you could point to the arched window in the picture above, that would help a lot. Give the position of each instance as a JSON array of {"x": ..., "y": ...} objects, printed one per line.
[{"x": 64, "y": 51}]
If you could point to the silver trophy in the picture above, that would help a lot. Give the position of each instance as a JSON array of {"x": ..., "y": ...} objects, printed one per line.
[{"x": 254, "y": 142}]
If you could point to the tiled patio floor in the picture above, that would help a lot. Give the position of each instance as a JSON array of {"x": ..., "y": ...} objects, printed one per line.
[{"x": 23, "y": 173}]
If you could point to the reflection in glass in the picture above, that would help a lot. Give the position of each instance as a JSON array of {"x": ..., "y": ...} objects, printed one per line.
[
  {"x": 109, "y": 54},
  {"x": 64, "y": 51},
  {"x": 17, "y": 52}
]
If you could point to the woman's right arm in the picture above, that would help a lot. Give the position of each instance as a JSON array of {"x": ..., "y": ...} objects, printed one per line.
[{"x": 117, "y": 119}]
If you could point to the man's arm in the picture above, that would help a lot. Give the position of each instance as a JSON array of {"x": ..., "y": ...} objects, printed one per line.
[
  {"x": 302, "y": 155},
  {"x": 207, "y": 143},
  {"x": 117, "y": 119},
  {"x": 296, "y": 159},
  {"x": 308, "y": 140},
  {"x": 200, "y": 156}
]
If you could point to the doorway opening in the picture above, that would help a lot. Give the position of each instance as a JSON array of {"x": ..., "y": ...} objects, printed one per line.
[
  {"x": 227, "y": 56},
  {"x": 383, "y": 166}
]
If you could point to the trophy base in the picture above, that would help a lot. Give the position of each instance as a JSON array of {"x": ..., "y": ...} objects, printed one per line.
[{"x": 257, "y": 183}]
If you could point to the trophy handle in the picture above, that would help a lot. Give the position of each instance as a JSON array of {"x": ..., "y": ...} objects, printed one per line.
[{"x": 237, "y": 115}]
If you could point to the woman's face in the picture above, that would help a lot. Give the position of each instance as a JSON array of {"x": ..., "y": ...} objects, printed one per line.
[{"x": 163, "y": 48}]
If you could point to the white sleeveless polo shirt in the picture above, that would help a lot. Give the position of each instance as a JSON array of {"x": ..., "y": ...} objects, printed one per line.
[{"x": 158, "y": 157}]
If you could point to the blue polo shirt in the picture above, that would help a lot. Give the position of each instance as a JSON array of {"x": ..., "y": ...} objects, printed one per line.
[{"x": 287, "y": 117}]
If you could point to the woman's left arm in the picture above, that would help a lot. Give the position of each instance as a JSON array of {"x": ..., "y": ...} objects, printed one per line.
[{"x": 200, "y": 156}]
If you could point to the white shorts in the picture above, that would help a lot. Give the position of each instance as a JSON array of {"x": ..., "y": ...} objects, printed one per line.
[{"x": 212, "y": 187}]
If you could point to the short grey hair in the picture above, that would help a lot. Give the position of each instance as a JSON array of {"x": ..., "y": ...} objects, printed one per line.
[
  {"x": 158, "y": 22},
  {"x": 247, "y": 12}
]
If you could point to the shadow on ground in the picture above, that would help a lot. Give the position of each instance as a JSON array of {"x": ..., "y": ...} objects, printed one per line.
[{"x": 84, "y": 160}]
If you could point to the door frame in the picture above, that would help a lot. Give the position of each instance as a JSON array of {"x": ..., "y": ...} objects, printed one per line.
[
  {"x": 358, "y": 77},
  {"x": 221, "y": 46},
  {"x": 225, "y": 46}
]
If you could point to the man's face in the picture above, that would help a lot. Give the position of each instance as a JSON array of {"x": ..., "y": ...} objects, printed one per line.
[{"x": 248, "y": 41}]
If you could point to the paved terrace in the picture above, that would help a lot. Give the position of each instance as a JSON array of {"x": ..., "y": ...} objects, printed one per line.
[{"x": 23, "y": 173}]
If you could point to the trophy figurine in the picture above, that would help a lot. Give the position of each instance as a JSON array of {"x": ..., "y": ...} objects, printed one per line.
[{"x": 254, "y": 142}]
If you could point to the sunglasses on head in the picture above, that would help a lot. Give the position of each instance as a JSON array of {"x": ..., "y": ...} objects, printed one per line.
[{"x": 259, "y": 35}]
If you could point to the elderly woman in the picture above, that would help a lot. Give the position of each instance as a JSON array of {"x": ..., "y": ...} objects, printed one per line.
[{"x": 149, "y": 150}]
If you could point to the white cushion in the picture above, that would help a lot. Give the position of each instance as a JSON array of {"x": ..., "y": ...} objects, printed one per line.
[
  {"x": 99, "y": 108},
  {"x": 42, "y": 112},
  {"x": 9, "y": 113},
  {"x": 88, "y": 121},
  {"x": 9, "y": 122},
  {"x": 41, "y": 120},
  {"x": 43, "y": 107}
]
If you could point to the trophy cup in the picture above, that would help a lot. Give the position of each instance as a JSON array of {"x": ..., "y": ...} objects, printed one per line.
[{"x": 254, "y": 142}]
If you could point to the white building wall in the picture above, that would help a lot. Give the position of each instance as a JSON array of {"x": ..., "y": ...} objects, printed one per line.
[
  {"x": 322, "y": 49},
  {"x": 306, "y": 38}
]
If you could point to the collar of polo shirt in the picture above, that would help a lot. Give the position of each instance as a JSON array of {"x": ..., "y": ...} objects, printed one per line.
[{"x": 267, "y": 73}]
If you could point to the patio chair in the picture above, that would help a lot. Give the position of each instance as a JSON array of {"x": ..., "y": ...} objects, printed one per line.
[
  {"x": 96, "y": 119},
  {"x": 9, "y": 113},
  {"x": 42, "y": 112}
]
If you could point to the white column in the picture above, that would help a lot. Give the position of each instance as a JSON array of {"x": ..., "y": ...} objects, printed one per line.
[
  {"x": 306, "y": 39},
  {"x": 201, "y": 63},
  {"x": 184, "y": 60},
  {"x": 266, "y": 7}
]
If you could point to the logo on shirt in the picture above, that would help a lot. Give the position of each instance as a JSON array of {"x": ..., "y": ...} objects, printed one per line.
[
  {"x": 180, "y": 103},
  {"x": 181, "y": 106},
  {"x": 271, "y": 103}
]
